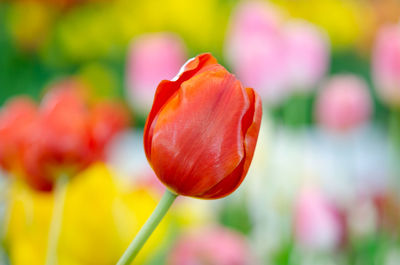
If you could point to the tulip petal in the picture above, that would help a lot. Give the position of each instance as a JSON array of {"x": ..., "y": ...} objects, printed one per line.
[
  {"x": 251, "y": 137},
  {"x": 166, "y": 89},
  {"x": 200, "y": 127},
  {"x": 250, "y": 127}
]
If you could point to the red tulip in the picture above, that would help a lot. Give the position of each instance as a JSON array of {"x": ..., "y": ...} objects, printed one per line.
[
  {"x": 70, "y": 135},
  {"x": 65, "y": 117},
  {"x": 36, "y": 176},
  {"x": 60, "y": 142},
  {"x": 18, "y": 124},
  {"x": 202, "y": 130}
]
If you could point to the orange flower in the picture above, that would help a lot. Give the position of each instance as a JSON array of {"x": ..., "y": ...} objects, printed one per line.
[{"x": 202, "y": 130}]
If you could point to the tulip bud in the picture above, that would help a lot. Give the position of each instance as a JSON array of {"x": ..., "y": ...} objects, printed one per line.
[
  {"x": 343, "y": 103},
  {"x": 386, "y": 64},
  {"x": 153, "y": 57},
  {"x": 202, "y": 130}
]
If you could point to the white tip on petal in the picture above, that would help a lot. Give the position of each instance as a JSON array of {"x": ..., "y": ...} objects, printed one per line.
[{"x": 182, "y": 69}]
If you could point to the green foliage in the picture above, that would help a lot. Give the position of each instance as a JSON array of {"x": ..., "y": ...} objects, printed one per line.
[{"x": 234, "y": 214}]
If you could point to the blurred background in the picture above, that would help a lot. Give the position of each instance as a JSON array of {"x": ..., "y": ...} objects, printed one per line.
[{"x": 324, "y": 184}]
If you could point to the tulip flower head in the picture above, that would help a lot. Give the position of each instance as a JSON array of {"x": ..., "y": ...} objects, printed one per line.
[
  {"x": 343, "y": 103},
  {"x": 202, "y": 130},
  {"x": 152, "y": 57},
  {"x": 386, "y": 65}
]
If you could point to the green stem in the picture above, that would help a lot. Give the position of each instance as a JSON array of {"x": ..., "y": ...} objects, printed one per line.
[
  {"x": 60, "y": 192},
  {"x": 148, "y": 228}
]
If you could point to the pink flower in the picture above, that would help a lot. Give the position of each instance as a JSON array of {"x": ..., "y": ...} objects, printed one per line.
[
  {"x": 256, "y": 49},
  {"x": 343, "y": 103},
  {"x": 386, "y": 64},
  {"x": 307, "y": 54},
  {"x": 213, "y": 245},
  {"x": 152, "y": 57},
  {"x": 318, "y": 224}
]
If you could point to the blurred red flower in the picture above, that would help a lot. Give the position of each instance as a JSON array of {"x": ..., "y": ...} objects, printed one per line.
[
  {"x": 63, "y": 136},
  {"x": 17, "y": 119}
]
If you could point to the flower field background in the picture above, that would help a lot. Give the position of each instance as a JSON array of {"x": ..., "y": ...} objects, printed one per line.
[{"x": 324, "y": 184}]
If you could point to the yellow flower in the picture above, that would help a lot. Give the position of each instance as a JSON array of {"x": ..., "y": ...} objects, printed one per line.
[
  {"x": 28, "y": 220},
  {"x": 100, "y": 218},
  {"x": 85, "y": 32},
  {"x": 189, "y": 213}
]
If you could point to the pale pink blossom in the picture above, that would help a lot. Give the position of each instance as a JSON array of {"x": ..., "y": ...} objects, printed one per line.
[
  {"x": 152, "y": 58},
  {"x": 318, "y": 224},
  {"x": 307, "y": 55},
  {"x": 386, "y": 64},
  {"x": 212, "y": 245},
  {"x": 343, "y": 103},
  {"x": 255, "y": 48}
]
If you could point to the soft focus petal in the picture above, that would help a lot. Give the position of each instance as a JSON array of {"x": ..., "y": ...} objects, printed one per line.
[
  {"x": 106, "y": 121},
  {"x": 308, "y": 54},
  {"x": 100, "y": 218},
  {"x": 211, "y": 245},
  {"x": 386, "y": 64},
  {"x": 318, "y": 224},
  {"x": 256, "y": 49},
  {"x": 343, "y": 103},
  {"x": 17, "y": 119},
  {"x": 29, "y": 214},
  {"x": 153, "y": 57}
]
